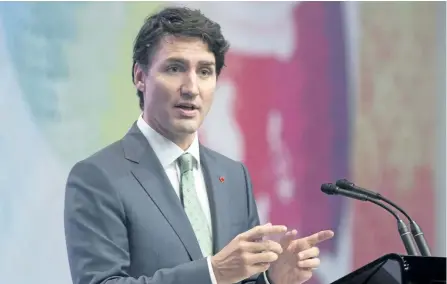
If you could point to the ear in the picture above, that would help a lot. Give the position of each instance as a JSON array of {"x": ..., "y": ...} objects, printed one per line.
[{"x": 139, "y": 75}]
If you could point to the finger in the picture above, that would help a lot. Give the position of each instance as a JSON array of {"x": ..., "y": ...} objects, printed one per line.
[
  {"x": 265, "y": 245},
  {"x": 309, "y": 253},
  {"x": 259, "y": 232},
  {"x": 259, "y": 258},
  {"x": 311, "y": 263},
  {"x": 288, "y": 238},
  {"x": 319, "y": 237}
]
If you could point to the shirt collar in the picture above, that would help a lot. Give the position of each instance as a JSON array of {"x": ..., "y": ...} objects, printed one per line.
[{"x": 166, "y": 150}]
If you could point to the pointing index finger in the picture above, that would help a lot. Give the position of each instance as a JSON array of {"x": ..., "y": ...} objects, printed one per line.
[
  {"x": 319, "y": 237},
  {"x": 259, "y": 232}
]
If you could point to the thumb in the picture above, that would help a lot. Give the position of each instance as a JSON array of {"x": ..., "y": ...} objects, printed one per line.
[{"x": 287, "y": 239}]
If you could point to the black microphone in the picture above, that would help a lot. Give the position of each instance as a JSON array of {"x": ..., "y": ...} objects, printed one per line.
[
  {"x": 415, "y": 229},
  {"x": 332, "y": 189}
]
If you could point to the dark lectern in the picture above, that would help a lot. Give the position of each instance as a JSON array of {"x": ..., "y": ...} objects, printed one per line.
[{"x": 399, "y": 269}]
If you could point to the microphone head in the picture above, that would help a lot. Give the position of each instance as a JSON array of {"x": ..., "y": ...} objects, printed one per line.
[
  {"x": 332, "y": 189},
  {"x": 347, "y": 185},
  {"x": 344, "y": 183},
  {"x": 329, "y": 188}
]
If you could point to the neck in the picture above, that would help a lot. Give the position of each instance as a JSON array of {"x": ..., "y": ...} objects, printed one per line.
[{"x": 184, "y": 141}]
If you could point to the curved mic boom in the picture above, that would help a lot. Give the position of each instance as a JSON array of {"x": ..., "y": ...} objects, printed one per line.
[
  {"x": 416, "y": 231},
  {"x": 332, "y": 189}
]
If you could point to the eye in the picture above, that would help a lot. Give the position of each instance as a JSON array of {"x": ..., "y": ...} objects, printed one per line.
[
  {"x": 205, "y": 72},
  {"x": 173, "y": 69}
]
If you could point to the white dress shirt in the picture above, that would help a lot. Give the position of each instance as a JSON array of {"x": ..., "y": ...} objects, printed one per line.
[{"x": 168, "y": 153}]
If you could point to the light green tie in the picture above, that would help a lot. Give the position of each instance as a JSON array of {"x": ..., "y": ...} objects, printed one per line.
[{"x": 192, "y": 205}]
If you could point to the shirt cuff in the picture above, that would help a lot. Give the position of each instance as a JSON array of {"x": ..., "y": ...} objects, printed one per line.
[{"x": 210, "y": 268}]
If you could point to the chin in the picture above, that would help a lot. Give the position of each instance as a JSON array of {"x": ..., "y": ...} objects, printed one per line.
[{"x": 187, "y": 127}]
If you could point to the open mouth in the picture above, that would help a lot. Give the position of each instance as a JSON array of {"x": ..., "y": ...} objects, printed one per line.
[{"x": 186, "y": 106}]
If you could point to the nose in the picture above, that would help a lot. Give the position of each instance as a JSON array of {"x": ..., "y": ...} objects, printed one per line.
[{"x": 190, "y": 85}]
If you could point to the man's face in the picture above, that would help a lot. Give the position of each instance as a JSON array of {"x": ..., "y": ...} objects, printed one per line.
[{"x": 179, "y": 85}]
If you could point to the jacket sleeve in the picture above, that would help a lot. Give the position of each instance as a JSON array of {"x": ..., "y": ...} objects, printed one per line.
[{"x": 96, "y": 235}]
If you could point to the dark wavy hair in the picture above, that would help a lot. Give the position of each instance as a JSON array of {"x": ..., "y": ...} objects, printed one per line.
[{"x": 177, "y": 21}]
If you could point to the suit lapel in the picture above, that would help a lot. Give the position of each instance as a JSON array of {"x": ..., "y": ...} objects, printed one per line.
[
  {"x": 147, "y": 169},
  {"x": 219, "y": 198}
]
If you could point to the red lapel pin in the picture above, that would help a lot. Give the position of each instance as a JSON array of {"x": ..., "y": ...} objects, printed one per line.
[{"x": 221, "y": 179}]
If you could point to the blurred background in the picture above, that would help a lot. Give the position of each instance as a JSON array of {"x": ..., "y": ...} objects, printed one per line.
[{"x": 312, "y": 92}]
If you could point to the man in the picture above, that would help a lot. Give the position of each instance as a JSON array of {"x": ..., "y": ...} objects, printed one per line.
[{"x": 156, "y": 206}]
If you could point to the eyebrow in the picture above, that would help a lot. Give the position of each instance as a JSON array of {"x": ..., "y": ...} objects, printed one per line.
[
  {"x": 207, "y": 63},
  {"x": 183, "y": 61}
]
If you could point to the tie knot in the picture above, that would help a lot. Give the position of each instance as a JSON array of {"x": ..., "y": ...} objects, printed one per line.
[{"x": 185, "y": 162}]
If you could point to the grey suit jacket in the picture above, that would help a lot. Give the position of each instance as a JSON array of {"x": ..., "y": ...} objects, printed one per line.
[{"x": 125, "y": 224}]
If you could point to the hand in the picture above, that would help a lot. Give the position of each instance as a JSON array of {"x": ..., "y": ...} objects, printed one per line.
[
  {"x": 299, "y": 259},
  {"x": 247, "y": 254}
]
